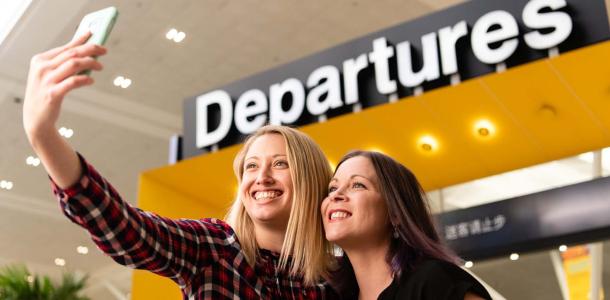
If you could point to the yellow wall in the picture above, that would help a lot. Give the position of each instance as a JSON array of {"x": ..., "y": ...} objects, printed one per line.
[{"x": 157, "y": 197}]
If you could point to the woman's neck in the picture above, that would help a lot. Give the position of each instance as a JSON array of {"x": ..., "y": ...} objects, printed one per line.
[
  {"x": 371, "y": 269},
  {"x": 269, "y": 238}
]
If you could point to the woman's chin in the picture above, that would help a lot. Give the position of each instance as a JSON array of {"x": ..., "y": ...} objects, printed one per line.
[
  {"x": 336, "y": 237},
  {"x": 268, "y": 216}
]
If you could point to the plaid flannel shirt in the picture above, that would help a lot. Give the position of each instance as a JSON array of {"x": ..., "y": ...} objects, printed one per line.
[{"x": 203, "y": 256}]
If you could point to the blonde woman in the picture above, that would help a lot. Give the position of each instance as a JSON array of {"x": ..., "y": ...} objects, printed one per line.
[{"x": 272, "y": 246}]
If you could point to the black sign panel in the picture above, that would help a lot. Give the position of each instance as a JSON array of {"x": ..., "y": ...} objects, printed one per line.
[
  {"x": 589, "y": 25},
  {"x": 573, "y": 214}
]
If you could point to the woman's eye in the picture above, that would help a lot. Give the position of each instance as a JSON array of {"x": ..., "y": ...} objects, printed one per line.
[
  {"x": 331, "y": 189},
  {"x": 250, "y": 166},
  {"x": 358, "y": 185},
  {"x": 281, "y": 163}
]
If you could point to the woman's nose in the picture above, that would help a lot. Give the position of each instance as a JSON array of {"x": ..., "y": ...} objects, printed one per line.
[
  {"x": 338, "y": 195},
  {"x": 264, "y": 176}
]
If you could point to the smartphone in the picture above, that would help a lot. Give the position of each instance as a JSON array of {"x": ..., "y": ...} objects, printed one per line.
[{"x": 100, "y": 24}]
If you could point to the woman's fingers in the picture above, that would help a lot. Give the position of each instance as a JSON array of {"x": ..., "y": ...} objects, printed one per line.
[
  {"x": 79, "y": 40},
  {"x": 59, "y": 90},
  {"x": 71, "y": 67},
  {"x": 74, "y": 52},
  {"x": 52, "y": 75}
]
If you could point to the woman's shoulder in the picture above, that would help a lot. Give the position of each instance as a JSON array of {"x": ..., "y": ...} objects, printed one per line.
[
  {"x": 212, "y": 226},
  {"x": 437, "y": 279}
]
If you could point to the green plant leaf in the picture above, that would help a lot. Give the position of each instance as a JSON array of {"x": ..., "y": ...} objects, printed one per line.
[{"x": 14, "y": 285}]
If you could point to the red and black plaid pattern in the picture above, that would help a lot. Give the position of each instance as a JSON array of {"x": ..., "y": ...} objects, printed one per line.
[{"x": 203, "y": 256}]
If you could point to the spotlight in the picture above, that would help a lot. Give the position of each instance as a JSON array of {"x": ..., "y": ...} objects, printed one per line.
[
  {"x": 428, "y": 143},
  {"x": 484, "y": 128}
]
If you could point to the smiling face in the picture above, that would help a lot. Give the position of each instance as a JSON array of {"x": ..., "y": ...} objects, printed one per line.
[
  {"x": 354, "y": 210},
  {"x": 266, "y": 184}
]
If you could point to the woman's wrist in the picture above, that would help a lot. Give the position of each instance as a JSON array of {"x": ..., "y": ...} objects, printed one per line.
[{"x": 41, "y": 136}]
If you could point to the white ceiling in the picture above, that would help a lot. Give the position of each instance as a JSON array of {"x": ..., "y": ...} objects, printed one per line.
[{"x": 126, "y": 131}]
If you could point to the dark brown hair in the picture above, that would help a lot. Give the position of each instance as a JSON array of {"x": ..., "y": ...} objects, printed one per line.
[{"x": 409, "y": 216}]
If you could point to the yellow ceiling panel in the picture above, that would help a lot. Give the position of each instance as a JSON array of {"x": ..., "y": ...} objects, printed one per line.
[
  {"x": 461, "y": 107},
  {"x": 539, "y": 102},
  {"x": 590, "y": 85}
]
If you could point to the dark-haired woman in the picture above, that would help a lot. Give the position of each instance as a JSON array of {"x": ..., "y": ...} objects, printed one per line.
[{"x": 376, "y": 213}]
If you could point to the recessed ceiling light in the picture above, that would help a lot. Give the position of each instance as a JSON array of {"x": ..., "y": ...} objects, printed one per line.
[
  {"x": 60, "y": 262},
  {"x": 468, "y": 264},
  {"x": 66, "y": 132},
  {"x": 171, "y": 34},
  {"x": 82, "y": 250},
  {"x": 126, "y": 83},
  {"x": 563, "y": 248},
  {"x": 5, "y": 184},
  {"x": 118, "y": 80},
  {"x": 179, "y": 37},
  {"x": 484, "y": 128},
  {"x": 514, "y": 256},
  {"x": 428, "y": 143},
  {"x": 121, "y": 81},
  {"x": 32, "y": 161},
  {"x": 175, "y": 35}
]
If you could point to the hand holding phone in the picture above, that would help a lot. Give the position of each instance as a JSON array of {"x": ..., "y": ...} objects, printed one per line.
[
  {"x": 56, "y": 72},
  {"x": 99, "y": 23}
]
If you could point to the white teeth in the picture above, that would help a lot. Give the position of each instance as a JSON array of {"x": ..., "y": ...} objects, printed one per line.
[
  {"x": 339, "y": 215},
  {"x": 266, "y": 195}
]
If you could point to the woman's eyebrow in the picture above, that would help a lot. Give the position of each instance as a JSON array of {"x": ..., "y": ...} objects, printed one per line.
[
  {"x": 256, "y": 157},
  {"x": 357, "y": 175}
]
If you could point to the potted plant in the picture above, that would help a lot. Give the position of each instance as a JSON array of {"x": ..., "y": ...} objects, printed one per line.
[{"x": 17, "y": 283}]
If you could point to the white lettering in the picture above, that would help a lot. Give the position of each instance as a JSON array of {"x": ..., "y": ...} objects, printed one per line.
[
  {"x": 277, "y": 115},
  {"x": 448, "y": 37},
  {"x": 351, "y": 69},
  {"x": 203, "y": 137},
  {"x": 331, "y": 86},
  {"x": 560, "y": 21},
  {"x": 380, "y": 55},
  {"x": 429, "y": 71},
  {"x": 243, "y": 110},
  {"x": 481, "y": 37}
]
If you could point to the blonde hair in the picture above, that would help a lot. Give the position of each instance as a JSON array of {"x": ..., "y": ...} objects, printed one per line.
[{"x": 304, "y": 243}]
